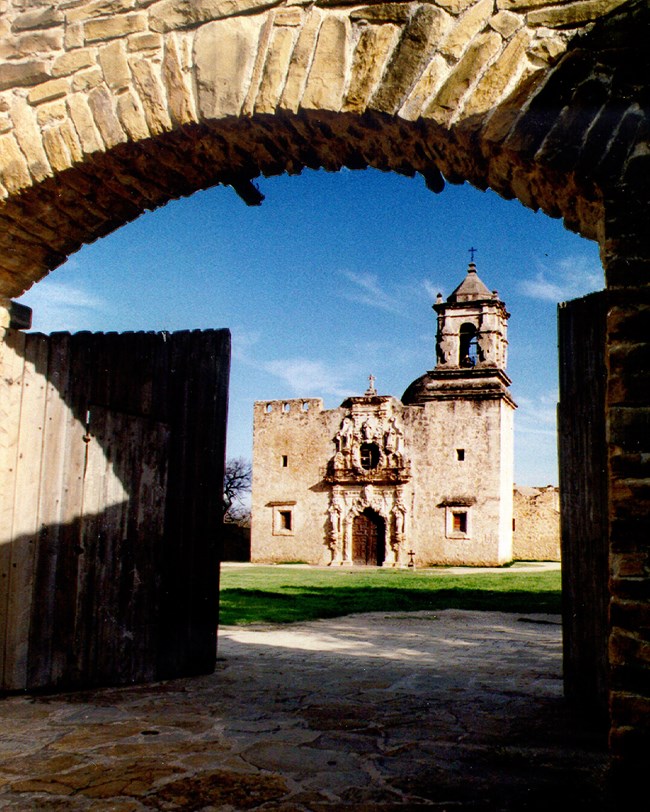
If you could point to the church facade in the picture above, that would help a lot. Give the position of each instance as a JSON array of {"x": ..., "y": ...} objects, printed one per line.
[{"x": 425, "y": 480}]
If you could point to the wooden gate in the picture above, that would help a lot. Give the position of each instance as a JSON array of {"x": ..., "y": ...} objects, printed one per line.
[
  {"x": 583, "y": 500},
  {"x": 112, "y": 459}
]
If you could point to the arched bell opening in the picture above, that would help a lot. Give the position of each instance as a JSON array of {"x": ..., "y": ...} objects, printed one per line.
[{"x": 468, "y": 355}]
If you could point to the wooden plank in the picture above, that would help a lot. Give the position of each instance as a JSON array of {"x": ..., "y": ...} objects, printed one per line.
[
  {"x": 583, "y": 498},
  {"x": 11, "y": 373},
  {"x": 199, "y": 367},
  {"x": 25, "y": 527},
  {"x": 51, "y": 513},
  {"x": 81, "y": 363},
  {"x": 208, "y": 442},
  {"x": 94, "y": 354}
]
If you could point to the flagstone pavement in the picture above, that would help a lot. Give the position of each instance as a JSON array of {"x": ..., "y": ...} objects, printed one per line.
[{"x": 449, "y": 710}]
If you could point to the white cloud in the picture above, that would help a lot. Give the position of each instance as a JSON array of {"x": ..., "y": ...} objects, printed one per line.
[
  {"x": 537, "y": 415},
  {"x": 571, "y": 278},
  {"x": 242, "y": 342},
  {"x": 307, "y": 377},
  {"x": 366, "y": 290},
  {"x": 431, "y": 289},
  {"x": 62, "y": 306}
]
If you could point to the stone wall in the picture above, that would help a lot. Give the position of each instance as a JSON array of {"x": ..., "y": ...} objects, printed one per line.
[{"x": 536, "y": 524}]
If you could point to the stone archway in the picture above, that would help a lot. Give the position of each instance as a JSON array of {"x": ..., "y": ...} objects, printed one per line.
[{"x": 107, "y": 110}]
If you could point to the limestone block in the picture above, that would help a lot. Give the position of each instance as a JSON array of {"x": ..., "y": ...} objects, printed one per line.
[
  {"x": 28, "y": 134},
  {"x": 288, "y": 16},
  {"x": 375, "y": 45},
  {"x": 87, "y": 79},
  {"x": 224, "y": 55},
  {"x": 73, "y": 61},
  {"x": 23, "y": 74},
  {"x": 300, "y": 60},
  {"x": 435, "y": 73},
  {"x": 6, "y": 124},
  {"x": 51, "y": 114},
  {"x": 177, "y": 80},
  {"x": 69, "y": 137},
  {"x": 572, "y": 14},
  {"x": 328, "y": 73},
  {"x": 398, "y": 13},
  {"x": 29, "y": 45},
  {"x": 74, "y": 35},
  {"x": 101, "y": 106},
  {"x": 546, "y": 50},
  {"x": 412, "y": 54},
  {"x": 115, "y": 67},
  {"x": 131, "y": 117},
  {"x": 275, "y": 69},
  {"x": 521, "y": 5},
  {"x": 84, "y": 124},
  {"x": 482, "y": 50},
  {"x": 14, "y": 172},
  {"x": 506, "y": 23},
  {"x": 511, "y": 64},
  {"x": 471, "y": 22},
  {"x": 54, "y": 89},
  {"x": 38, "y": 18},
  {"x": 97, "y": 8},
  {"x": 152, "y": 95},
  {"x": 258, "y": 66},
  {"x": 457, "y": 6},
  {"x": 146, "y": 41},
  {"x": 170, "y": 15},
  {"x": 113, "y": 27}
]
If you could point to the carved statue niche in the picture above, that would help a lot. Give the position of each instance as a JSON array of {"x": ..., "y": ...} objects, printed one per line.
[
  {"x": 344, "y": 435},
  {"x": 393, "y": 441},
  {"x": 399, "y": 513}
]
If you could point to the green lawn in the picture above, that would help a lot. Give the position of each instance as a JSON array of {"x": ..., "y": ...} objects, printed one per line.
[{"x": 268, "y": 594}]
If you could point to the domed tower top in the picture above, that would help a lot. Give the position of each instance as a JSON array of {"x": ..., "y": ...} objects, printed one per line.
[
  {"x": 472, "y": 289},
  {"x": 471, "y": 345}
]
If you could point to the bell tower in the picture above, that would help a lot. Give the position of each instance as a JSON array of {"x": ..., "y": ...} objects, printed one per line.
[{"x": 471, "y": 346}]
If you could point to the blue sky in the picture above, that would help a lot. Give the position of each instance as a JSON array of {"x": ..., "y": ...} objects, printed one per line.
[{"x": 332, "y": 279}]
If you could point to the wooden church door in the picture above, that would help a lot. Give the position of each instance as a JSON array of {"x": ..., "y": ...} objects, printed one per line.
[{"x": 368, "y": 539}]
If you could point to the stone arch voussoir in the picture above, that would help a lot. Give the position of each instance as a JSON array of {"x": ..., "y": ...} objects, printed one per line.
[{"x": 110, "y": 109}]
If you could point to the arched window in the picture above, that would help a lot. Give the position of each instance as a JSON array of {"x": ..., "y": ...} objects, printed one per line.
[{"x": 468, "y": 351}]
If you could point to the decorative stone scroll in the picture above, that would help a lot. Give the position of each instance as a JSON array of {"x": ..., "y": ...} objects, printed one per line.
[{"x": 369, "y": 447}]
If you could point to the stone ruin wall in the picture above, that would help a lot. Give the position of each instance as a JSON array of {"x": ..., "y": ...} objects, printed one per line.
[{"x": 536, "y": 514}]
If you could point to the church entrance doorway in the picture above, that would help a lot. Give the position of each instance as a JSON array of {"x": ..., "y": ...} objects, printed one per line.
[{"x": 368, "y": 539}]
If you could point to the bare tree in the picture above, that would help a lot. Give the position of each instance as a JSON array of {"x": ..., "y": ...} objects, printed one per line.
[{"x": 237, "y": 482}]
